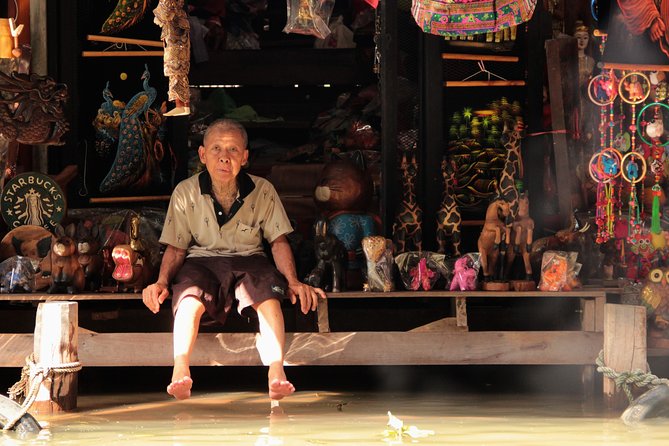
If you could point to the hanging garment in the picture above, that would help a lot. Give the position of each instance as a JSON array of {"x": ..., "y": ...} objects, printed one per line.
[{"x": 467, "y": 17}]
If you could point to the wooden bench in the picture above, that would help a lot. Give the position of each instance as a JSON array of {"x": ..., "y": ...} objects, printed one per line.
[{"x": 445, "y": 341}]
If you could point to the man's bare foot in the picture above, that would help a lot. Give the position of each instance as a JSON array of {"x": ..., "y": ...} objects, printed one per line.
[
  {"x": 180, "y": 388},
  {"x": 279, "y": 389}
]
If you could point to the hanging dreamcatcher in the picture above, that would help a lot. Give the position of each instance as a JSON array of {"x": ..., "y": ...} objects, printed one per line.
[
  {"x": 605, "y": 165},
  {"x": 634, "y": 88}
]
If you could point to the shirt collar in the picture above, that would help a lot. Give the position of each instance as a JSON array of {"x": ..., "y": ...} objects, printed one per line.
[
  {"x": 246, "y": 186},
  {"x": 244, "y": 181}
]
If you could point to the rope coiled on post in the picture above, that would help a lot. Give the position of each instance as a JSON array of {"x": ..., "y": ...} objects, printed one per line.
[
  {"x": 32, "y": 377},
  {"x": 624, "y": 380}
]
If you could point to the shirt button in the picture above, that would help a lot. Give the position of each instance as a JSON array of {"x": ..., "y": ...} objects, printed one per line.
[{"x": 220, "y": 213}]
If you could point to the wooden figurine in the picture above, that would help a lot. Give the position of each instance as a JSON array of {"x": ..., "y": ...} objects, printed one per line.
[
  {"x": 90, "y": 258},
  {"x": 522, "y": 230},
  {"x": 448, "y": 215},
  {"x": 330, "y": 255},
  {"x": 67, "y": 275},
  {"x": 132, "y": 269},
  {"x": 409, "y": 217},
  {"x": 493, "y": 238},
  {"x": 513, "y": 170}
]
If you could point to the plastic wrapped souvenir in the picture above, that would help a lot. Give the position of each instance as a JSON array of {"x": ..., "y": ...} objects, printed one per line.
[
  {"x": 16, "y": 275},
  {"x": 559, "y": 271},
  {"x": 378, "y": 252},
  {"x": 420, "y": 270},
  {"x": 465, "y": 272},
  {"x": 309, "y": 17}
]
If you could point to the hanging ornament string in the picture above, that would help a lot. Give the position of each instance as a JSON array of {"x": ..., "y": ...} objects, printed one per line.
[
  {"x": 633, "y": 168},
  {"x": 654, "y": 131},
  {"x": 634, "y": 88},
  {"x": 604, "y": 166}
]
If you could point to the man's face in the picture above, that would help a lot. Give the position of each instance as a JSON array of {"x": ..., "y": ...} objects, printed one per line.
[{"x": 223, "y": 154}]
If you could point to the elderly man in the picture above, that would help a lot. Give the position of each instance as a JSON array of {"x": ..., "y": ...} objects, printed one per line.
[{"x": 213, "y": 230}]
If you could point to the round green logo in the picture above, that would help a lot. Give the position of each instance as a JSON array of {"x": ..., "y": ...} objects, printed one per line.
[{"x": 32, "y": 198}]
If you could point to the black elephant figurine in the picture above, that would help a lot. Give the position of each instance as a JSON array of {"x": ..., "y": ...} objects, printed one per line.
[{"x": 330, "y": 255}]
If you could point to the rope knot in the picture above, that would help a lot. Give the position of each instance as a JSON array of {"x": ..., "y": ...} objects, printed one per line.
[
  {"x": 32, "y": 377},
  {"x": 623, "y": 380}
]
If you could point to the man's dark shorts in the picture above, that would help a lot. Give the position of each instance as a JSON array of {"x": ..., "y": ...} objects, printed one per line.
[{"x": 218, "y": 281}]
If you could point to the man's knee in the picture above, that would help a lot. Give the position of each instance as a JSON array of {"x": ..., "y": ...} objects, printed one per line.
[
  {"x": 190, "y": 305},
  {"x": 269, "y": 307}
]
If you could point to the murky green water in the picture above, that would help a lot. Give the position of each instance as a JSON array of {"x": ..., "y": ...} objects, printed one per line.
[{"x": 331, "y": 418}]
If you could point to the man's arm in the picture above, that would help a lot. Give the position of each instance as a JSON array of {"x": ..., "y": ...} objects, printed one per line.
[
  {"x": 285, "y": 263},
  {"x": 155, "y": 294}
]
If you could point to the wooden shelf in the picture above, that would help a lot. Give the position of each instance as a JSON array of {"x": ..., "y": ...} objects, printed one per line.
[{"x": 279, "y": 66}]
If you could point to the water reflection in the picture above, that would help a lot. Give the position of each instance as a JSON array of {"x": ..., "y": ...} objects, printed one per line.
[{"x": 332, "y": 418}]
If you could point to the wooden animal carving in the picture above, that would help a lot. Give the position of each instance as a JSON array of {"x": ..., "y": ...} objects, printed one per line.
[
  {"x": 407, "y": 228},
  {"x": 448, "y": 215},
  {"x": 522, "y": 230},
  {"x": 330, "y": 254},
  {"x": 129, "y": 271},
  {"x": 493, "y": 236},
  {"x": 513, "y": 170},
  {"x": 132, "y": 269},
  {"x": 655, "y": 297},
  {"x": 90, "y": 258},
  {"x": 31, "y": 109},
  {"x": 67, "y": 275}
]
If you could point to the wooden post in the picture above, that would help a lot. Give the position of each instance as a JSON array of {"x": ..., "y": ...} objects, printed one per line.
[
  {"x": 562, "y": 65},
  {"x": 56, "y": 343},
  {"x": 624, "y": 347}
]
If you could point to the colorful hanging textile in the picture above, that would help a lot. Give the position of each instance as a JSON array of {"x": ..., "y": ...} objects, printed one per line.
[{"x": 465, "y": 17}]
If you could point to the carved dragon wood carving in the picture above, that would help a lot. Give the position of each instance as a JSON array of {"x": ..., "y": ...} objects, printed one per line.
[{"x": 31, "y": 109}]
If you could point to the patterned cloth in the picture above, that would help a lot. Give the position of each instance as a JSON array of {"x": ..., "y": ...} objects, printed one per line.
[{"x": 466, "y": 17}]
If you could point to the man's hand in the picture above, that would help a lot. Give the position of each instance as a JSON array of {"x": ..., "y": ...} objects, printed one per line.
[
  {"x": 154, "y": 295},
  {"x": 657, "y": 29},
  {"x": 307, "y": 295}
]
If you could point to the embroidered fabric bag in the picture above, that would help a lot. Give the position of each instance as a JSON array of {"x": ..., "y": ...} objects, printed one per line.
[{"x": 467, "y": 17}]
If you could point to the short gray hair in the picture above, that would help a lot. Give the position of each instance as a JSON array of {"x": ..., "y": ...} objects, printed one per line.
[{"x": 227, "y": 125}]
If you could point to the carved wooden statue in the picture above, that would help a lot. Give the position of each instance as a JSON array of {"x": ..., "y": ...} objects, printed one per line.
[
  {"x": 31, "y": 109},
  {"x": 90, "y": 258},
  {"x": 409, "y": 216},
  {"x": 330, "y": 254},
  {"x": 494, "y": 235},
  {"x": 513, "y": 170},
  {"x": 448, "y": 215},
  {"x": 132, "y": 268},
  {"x": 522, "y": 230},
  {"x": 67, "y": 275}
]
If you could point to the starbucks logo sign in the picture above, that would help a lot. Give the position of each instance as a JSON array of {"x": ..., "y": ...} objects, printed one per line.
[{"x": 32, "y": 198}]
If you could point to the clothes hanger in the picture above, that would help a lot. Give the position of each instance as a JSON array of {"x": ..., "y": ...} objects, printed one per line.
[{"x": 119, "y": 47}]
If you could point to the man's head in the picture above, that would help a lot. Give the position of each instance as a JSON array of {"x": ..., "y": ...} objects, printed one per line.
[{"x": 224, "y": 150}]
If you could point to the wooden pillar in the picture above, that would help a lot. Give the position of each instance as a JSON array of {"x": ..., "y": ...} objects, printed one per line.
[
  {"x": 38, "y": 65},
  {"x": 624, "y": 347},
  {"x": 388, "y": 43},
  {"x": 55, "y": 344},
  {"x": 562, "y": 63}
]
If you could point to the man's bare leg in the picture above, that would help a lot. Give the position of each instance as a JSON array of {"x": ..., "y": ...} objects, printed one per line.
[
  {"x": 272, "y": 333},
  {"x": 186, "y": 325}
]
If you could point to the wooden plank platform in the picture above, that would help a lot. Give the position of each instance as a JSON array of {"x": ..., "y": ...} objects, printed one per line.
[
  {"x": 341, "y": 348},
  {"x": 445, "y": 341}
]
